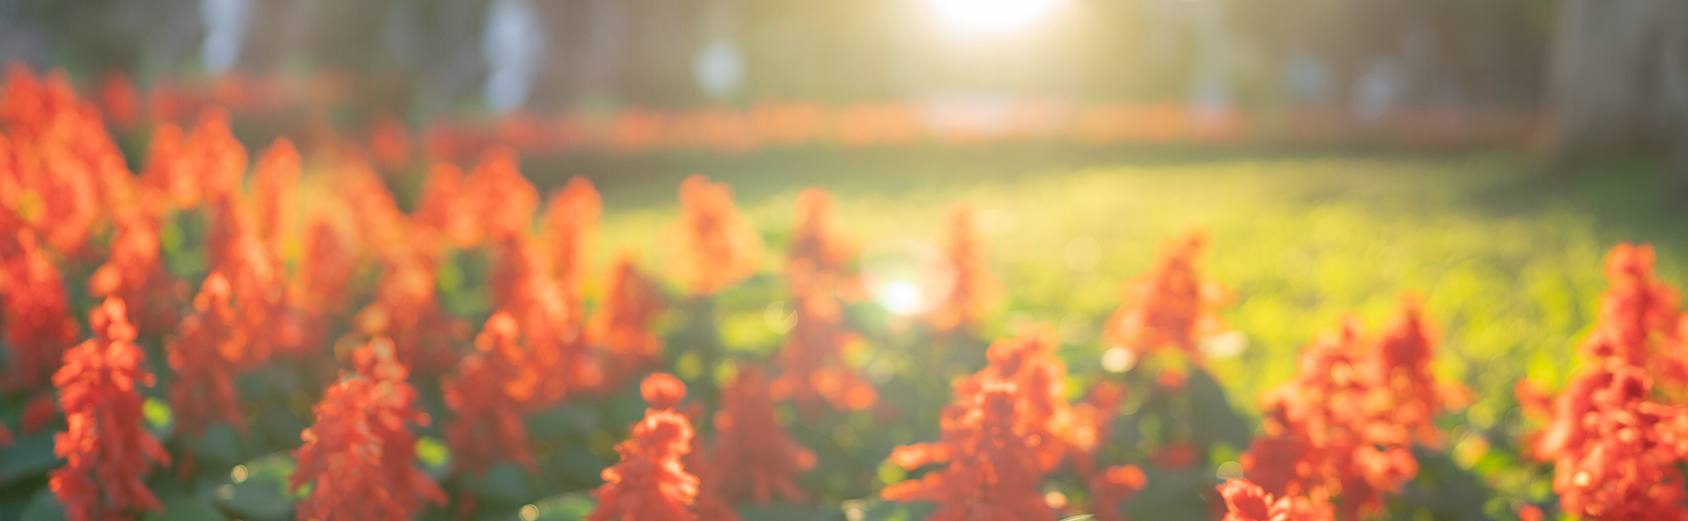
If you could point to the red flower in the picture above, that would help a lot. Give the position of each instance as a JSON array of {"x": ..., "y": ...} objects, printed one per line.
[
  {"x": 1617, "y": 451},
  {"x": 990, "y": 471},
  {"x": 1335, "y": 431},
  {"x": 205, "y": 357},
  {"x": 651, "y": 482},
  {"x": 819, "y": 259},
  {"x": 721, "y": 248},
  {"x": 1111, "y": 488},
  {"x": 1246, "y": 501},
  {"x": 753, "y": 458},
  {"x": 424, "y": 337},
  {"x": 571, "y": 218},
  {"x": 38, "y": 325},
  {"x": 621, "y": 327},
  {"x": 274, "y": 178},
  {"x": 502, "y": 201},
  {"x": 360, "y": 456},
  {"x": 1172, "y": 306},
  {"x": 135, "y": 273},
  {"x": 965, "y": 276},
  {"x": 812, "y": 365},
  {"x": 106, "y": 449},
  {"x": 487, "y": 397}
]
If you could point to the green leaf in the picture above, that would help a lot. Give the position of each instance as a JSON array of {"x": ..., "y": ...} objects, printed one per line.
[
  {"x": 503, "y": 484},
  {"x": 186, "y": 508},
  {"x": 567, "y": 507},
  {"x": 44, "y": 507},
  {"x": 218, "y": 446},
  {"x": 258, "y": 489},
  {"x": 27, "y": 458},
  {"x": 787, "y": 512},
  {"x": 880, "y": 510}
]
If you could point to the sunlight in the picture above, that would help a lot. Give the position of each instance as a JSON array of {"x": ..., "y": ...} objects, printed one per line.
[
  {"x": 990, "y": 16},
  {"x": 900, "y": 297}
]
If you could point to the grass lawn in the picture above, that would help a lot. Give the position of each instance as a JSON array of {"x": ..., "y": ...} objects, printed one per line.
[{"x": 1507, "y": 258}]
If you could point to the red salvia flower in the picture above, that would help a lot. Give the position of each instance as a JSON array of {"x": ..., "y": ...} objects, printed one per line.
[
  {"x": 989, "y": 470},
  {"x": 651, "y": 483},
  {"x": 966, "y": 282},
  {"x": 443, "y": 210},
  {"x": 819, "y": 259},
  {"x": 571, "y": 218},
  {"x": 621, "y": 327},
  {"x": 812, "y": 364},
  {"x": 487, "y": 396},
  {"x": 274, "y": 177},
  {"x": 319, "y": 291},
  {"x": 1172, "y": 306},
  {"x": 1028, "y": 361},
  {"x": 1246, "y": 501},
  {"x": 106, "y": 448},
  {"x": 1616, "y": 450},
  {"x": 360, "y": 456},
  {"x": 1402, "y": 365},
  {"x": 502, "y": 201},
  {"x": 135, "y": 273},
  {"x": 406, "y": 312},
  {"x": 721, "y": 248},
  {"x": 205, "y": 356},
  {"x": 38, "y": 324},
  {"x": 753, "y": 458},
  {"x": 1112, "y": 487},
  {"x": 1333, "y": 432}
]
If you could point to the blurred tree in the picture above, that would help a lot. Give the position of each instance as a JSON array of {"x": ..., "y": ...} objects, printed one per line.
[{"x": 1619, "y": 78}]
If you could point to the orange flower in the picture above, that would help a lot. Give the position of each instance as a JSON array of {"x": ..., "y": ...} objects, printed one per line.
[
  {"x": 442, "y": 208},
  {"x": 1111, "y": 488},
  {"x": 1335, "y": 430},
  {"x": 1172, "y": 306},
  {"x": 274, "y": 177},
  {"x": 135, "y": 273},
  {"x": 753, "y": 458},
  {"x": 487, "y": 396},
  {"x": 38, "y": 325},
  {"x": 1246, "y": 501},
  {"x": 812, "y": 365},
  {"x": 204, "y": 356},
  {"x": 1617, "y": 452},
  {"x": 502, "y": 201},
  {"x": 621, "y": 328},
  {"x": 571, "y": 218},
  {"x": 966, "y": 279},
  {"x": 990, "y": 469},
  {"x": 106, "y": 449},
  {"x": 819, "y": 260},
  {"x": 721, "y": 248},
  {"x": 651, "y": 482},
  {"x": 424, "y": 337},
  {"x": 360, "y": 455}
]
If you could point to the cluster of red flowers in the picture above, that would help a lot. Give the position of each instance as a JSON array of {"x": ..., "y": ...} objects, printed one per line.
[
  {"x": 752, "y": 457},
  {"x": 1246, "y": 501},
  {"x": 1616, "y": 443},
  {"x": 721, "y": 247},
  {"x": 820, "y": 271},
  {"x": 106, "y": 450},
  {"x": 360, "y": 456},
  {"x": 1344, "y": 428},
  {"x": 1172, "y": 306},
  {"x": 488, "y": 395},
  {"x": 966, "y": 287},
  {"x": 1008, "y": 427},
  {"x": 651, "y": 482}
]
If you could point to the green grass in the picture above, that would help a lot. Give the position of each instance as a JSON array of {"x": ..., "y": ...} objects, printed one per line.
[{"x": 1507, "y": 256}]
